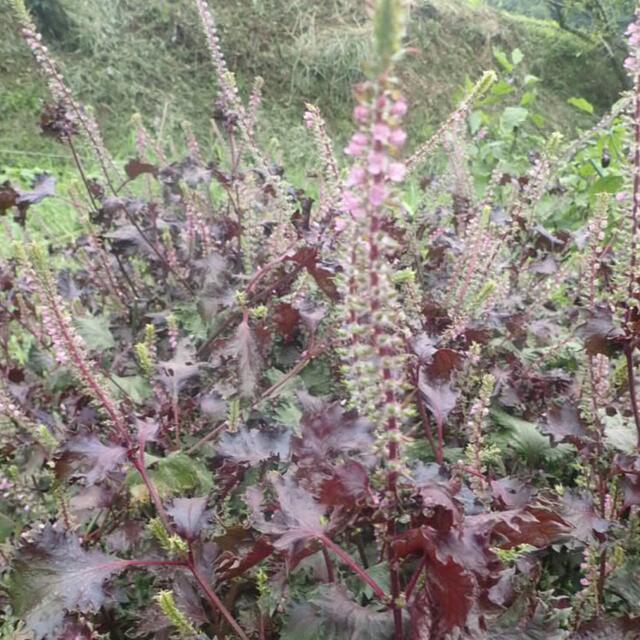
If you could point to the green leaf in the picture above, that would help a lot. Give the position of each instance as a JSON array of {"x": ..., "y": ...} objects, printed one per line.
[
  {"x": 475, "y": 121},
  {"x": 174, "y": 475},
  {"x": 517, "y": 57},
  {"x": 528, "y": 98},
  {"x": 95, "y": 332},
  {"x": 136, "y": 388},
  {"x": 7, "y": 526},
  {"x": 502, "y": 59},
  {"x": 607, "y": 184},
  {"x": 581, "y": 104},
  {"x": 502, "y": 88},
  {"x": 513, "y": 117},
  {"x": 524, "y": 438}
]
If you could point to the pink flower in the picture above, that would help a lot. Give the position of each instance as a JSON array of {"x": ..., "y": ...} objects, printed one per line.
[
  {"x": 399, "y": 108},
  {"x": 377, "y": 194},
  {"x": 397, "y": 171},
  {"x": 308, "y": 119},
  {"x": 631, "y": 63},
  {"x": 398, "y": 137},
  {"x": 361, "y": 113},
  {"x": 381, "y": 133},
  {"x": 356, "y": 176},
  {"x": 340, "y": 224},
  {"x": 377, "y": 163},
  {"x": 350, "y": 201},
  {"x": 357, "y": 145},
  {"x": 622, "y": 196}
]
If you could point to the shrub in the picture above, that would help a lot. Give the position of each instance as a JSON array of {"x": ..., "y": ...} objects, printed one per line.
[{"x": 391, "y": 405}]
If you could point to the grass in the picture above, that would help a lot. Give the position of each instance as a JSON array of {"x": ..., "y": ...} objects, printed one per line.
[{"x": 124, "y": 56}]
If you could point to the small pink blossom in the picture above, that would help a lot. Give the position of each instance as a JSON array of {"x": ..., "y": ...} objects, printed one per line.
[
  {"x": 622, "y": 196},
  {"x": 357, "y": 145},
  {"x": 377, "y": 194},
  {"x": 381, "y": 133},
  {"x": 377, "y": 163},
  {"x": 399, "y": 108},
  {"x": 308, "y": 119},
  {"x": 361, "y": 113},
  {"x": 398, "y": 137},
  {"x": 397, "y": 171},
  {"x": 356, "y": 176},
  {"x": 340, "y": 225},
  {"x": 631, "y": 64},
  {"x": 350, "y": 201}
]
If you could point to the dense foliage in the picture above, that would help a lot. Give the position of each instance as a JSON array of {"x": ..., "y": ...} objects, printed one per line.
[{"x": 397, "y": 401}]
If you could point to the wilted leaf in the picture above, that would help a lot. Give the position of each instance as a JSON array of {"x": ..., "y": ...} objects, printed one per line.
[{"x": 55, "y": 575}]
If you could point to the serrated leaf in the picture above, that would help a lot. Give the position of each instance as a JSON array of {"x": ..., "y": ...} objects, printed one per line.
[
  {"x": 513, "y": 117},
  {"x": 254, "y": 446},
  {"x": 136, "y": 388},
  {"x": 298, "y": 516},
  {"x": 54, "y": 575},
  {"x": 607, "y": 184},
  {"x": 87, "y": 457},
  {"x": 95, "y": 332},
  {"x": 332, "y": 615}
]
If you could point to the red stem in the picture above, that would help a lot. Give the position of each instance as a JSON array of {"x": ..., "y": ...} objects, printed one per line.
[
  {"x": 214, "y": 599},
  {"x": 138, "y": 463},
  {"x": 354, "y": 566},
  {"x": 327, "y": 560},
  {"x": 632, "y": 391}
]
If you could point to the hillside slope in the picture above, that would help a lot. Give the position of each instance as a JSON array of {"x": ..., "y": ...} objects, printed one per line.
[{"x": 126, "y": 56}]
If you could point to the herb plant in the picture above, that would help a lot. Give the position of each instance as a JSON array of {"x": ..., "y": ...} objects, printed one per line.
[{"x": 396, "y": 402}]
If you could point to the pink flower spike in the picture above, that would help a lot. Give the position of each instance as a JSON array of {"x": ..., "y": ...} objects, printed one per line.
[
  {"x": 377, "y": 163},
  {"x": 398, "y": 137},
  {"x": 356, "y": 176},
  {"x": 377, "y": 194},
  {"x": 397, "y": 171},
  {"x": 361, "y": 114},
  {"x": 381, "y": 133},
  {"x": 399, "y": 108}
]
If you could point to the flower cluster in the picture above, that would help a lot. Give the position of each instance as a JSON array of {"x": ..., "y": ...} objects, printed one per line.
[
  {"x": 68, "y": 347},
  {"x": 632, "y": 63},
  {"x": 375, "y": 147}
]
